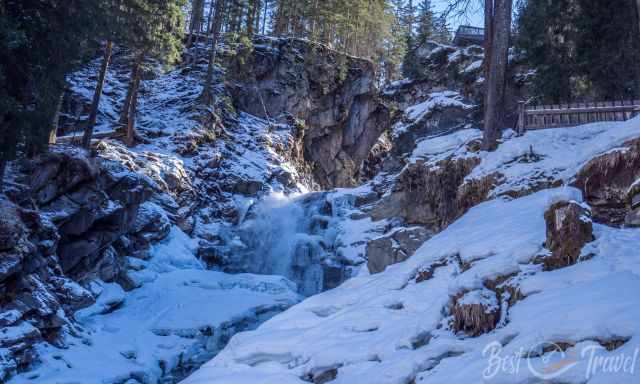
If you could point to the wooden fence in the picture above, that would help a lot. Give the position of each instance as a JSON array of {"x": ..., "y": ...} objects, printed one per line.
[{"x": 569, "y": 115}]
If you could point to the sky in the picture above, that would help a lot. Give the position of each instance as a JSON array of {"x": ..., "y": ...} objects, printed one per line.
[{"x": 474, "y": 17}]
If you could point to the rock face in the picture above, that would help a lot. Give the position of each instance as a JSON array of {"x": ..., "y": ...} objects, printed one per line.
[
  {"x": 441, "y": 67},
  {"x": 72, "y": 220},
  {"x": 446, "y": 87},
  {"x": 569, "y": 228},
  {"x": 333, "y": 95},
  {"x": 433, "y": 196},
  {"x": 450, "y": 81},
  {"x": 632, "y": 218},
  {"x": 394, "y": 248},
  {"x": 606, "y": 183}
]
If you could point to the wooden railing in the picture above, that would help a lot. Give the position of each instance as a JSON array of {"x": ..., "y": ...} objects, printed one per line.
[
  {"x": 468, "y": 35},
  {"x": 569, "y": 115}
]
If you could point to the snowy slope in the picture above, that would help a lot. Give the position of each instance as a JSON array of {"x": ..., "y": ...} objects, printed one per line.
[
  {"x": 395, "y": 327},
  {"x": 180, "y": 316}
]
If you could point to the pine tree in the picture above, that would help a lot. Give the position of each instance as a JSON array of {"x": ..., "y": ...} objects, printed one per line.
[
  {"x": 582, "y": 49},
  {"x": 425, "y": 32},
  {"x": 441, "y": 32},
  {"x": 55, "y": 40},
  {"x": 425, "y": 22},
  {"x": 159, "y": 25},
  {"x": 218, "y": 17}
]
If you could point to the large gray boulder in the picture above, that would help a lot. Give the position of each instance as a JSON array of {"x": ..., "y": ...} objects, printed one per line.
[{"x": 394, "y": 248}]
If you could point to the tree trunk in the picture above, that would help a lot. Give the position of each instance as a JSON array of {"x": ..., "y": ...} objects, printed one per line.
[
  {"x": 488, "y": 40},
  {"x": 124, "y": 114},
  {"x": 282, "y": 23},
  {"x": 638, "y": 13},
  {"x": 251, "y": 16},
  {"x": 195, "y": 25},
  {"x": 55, "y": 121},
  {"x": 206, "y": 96},
  {"x": 258, "y": 12},
  {"x": 131, "y": 123},
  {"x": 95, "y": 103},
  {"x": 266, "y": 14},
  {"x": 496, "y": 81},
  {"x": 3, "y": 167}
]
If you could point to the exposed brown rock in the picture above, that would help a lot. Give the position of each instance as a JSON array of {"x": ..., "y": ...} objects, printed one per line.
[
  {"x": 475, "y": 312},
  {"x": 569, "y": 228},
  {"x": 434, "y": 196},
  {"x": 605, "y": 182}
]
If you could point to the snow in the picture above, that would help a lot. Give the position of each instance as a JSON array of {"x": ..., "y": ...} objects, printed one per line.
[
  {"x": 388, "y": 328},
  {"x": 536, "y": 157},
  {"x": 436, "y": 100},
  {"x": 184, "y": 313},
  {"x": 385, "y": 328},
  {"x": 313, "y": 335},
  {"x": 473, "y": 66},
  {"x": 439, "y": 148}
]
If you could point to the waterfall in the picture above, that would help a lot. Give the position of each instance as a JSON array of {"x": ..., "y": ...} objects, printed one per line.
[{"x": 291, "y": 236}]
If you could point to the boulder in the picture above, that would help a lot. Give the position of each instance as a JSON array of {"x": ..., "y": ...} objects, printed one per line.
[
  {"x": 56, "y": 173},
  {"x": 606, "y": 183},
  {"x": 632, "y": 219},
  {"x": 394, "y": 248},
  {"x": 11, "y": 227},
  {"x": 569, "y": 228}
]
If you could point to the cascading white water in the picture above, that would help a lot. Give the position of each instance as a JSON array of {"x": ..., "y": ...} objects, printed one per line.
[{"x": 288, "y": 236}]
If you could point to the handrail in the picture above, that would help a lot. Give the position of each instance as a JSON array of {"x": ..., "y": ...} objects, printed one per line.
[{"x": 573, "y": 114}]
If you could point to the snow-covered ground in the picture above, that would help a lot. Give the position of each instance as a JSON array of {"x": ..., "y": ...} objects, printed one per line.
[
  {"x": 181, "y": 316},
  {"x": 395, "y": 327}
]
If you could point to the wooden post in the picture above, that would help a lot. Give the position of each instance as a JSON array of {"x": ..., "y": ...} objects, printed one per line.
[
  {"x": 522, "y": 124},
  {"x": 53, "y": 131}
]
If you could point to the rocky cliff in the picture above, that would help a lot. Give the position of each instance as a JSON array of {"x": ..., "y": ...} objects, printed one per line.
[{"x": 333, "y": 96}]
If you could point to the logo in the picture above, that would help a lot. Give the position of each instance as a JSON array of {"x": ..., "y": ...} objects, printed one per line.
[{"x": 548, "y": 361}]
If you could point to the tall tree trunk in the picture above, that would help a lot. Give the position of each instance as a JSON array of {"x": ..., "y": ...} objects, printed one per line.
[
  {"x": 258, "y": 12},
  {"x": 282, "y": 18},
  {"x": 488, "y": 40},
  {"x": 195, "y": 25},
  {"x": 131, "y": 122},
  {"x": 3, "y": 167},
  {"x": 55, "y": 121},
  {"x": 638, "y": 13},
  {"x": 124, "y": 113},
  {"x": 251, "y": 16},
  {"x": 95, "y": 103},
  {"x": 496, "y": 82},
  {"x": 266, "y": 15},
  {"x": 206, "y": 96}
]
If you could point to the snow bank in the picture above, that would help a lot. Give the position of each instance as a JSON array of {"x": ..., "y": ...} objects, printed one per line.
[{"x": 180, "y": 317}]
